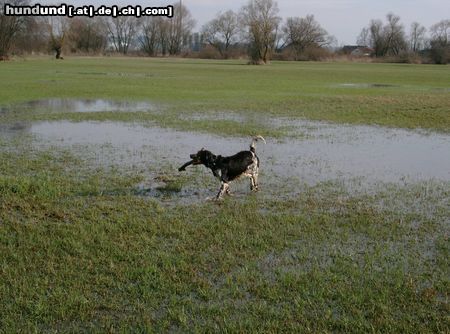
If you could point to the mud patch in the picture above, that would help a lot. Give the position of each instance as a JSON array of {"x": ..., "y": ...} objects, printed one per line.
[{"x": 366, "y": 85}]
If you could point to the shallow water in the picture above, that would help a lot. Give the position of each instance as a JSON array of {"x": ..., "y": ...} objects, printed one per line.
[
  {"x": 85, "y": 105},
  {"x": 366, "y": 85},
  {"x": 358, "y": 155},
  {"x": 372, "y": 154}
]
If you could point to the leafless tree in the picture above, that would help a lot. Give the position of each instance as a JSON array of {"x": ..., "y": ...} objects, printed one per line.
[
  {"x": 260, "y": 17},
  {"x": 10, "y": 26},
  {"x": 163, "y": 35},
  {"x": 394, "y": 35},
  {"x": 150, "y": 35},
  {"x": 364, "y": 37},
  {"x": 440, "y": 32},
  {"x": 122, "y": 31},
  {"x": 87, "y": 34},
  {"x": 302, "y": 33},
  {"x": 386, "y": 40},
  {"x": 57, "y": 27},
  {"x": 416, "y": 37},
  {"x": 178, "y": 28},
  {"x": 440, "y": 42},
  {"x": 376, "y": 38},
  {"x": 33, "y": 37},
  {"x": 222, "y": 32}
]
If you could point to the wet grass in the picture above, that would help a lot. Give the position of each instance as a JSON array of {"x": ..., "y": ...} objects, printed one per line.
[
  {"x": 408, "y": 96},
  {"x": 81, "y": 252},
  {"x": 87, "y": 248}
]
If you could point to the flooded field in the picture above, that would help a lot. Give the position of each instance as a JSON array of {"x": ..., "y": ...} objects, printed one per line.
[
  {"x": 359, "y": 156},
  {"x": 99, "y": 229},
  {"x": 83, "y": 106}
]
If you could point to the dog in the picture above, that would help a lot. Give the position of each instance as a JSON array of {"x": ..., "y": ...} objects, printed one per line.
[{"x": 227, "y": 169}]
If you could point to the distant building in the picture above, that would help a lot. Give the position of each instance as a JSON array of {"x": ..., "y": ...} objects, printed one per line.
[{"x": 358, "y": 50}]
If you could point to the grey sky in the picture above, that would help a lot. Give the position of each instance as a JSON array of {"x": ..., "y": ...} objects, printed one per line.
[{"x": 341, "y": 18}]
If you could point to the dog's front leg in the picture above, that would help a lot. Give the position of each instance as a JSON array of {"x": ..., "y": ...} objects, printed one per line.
[
  {"x": 254, "y": 178},
  {"x": 223, "y": 189}
]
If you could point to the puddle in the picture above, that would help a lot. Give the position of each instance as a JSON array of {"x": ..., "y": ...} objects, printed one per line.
[
  {"x": 360, "y": 155},
  {"x": 86, "y": 105},
  {"x": 366, "y": 85},
  {"x": 14, "y": 130},
  {"x": 217, "y": 116}
]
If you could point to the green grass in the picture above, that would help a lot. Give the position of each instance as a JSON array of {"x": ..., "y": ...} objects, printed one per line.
[
  {"x": 83, "y": 249},
  {"x": 75, "y": 258},
  {"x": 417, "y": 97}
]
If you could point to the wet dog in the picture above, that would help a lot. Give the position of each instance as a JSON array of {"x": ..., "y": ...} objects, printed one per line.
[{"x": 227, "y": 169}]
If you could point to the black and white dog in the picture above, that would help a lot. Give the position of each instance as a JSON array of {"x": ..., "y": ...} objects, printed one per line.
[{"x": 226, "y": 169}]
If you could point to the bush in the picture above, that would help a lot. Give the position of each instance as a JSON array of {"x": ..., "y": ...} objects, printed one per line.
[
  {"x": 209, "y": 52},
  {"x": 313, "y": 53},
  {"x": 440, "y": 54}
]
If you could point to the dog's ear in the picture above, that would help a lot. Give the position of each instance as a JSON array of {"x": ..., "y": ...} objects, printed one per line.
[{"x": 208, "y": 158}]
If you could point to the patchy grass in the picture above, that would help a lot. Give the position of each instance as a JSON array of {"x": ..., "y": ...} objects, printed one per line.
[
  {"x": 409, "y": 96},
  {"x": 80, "y": 251}
]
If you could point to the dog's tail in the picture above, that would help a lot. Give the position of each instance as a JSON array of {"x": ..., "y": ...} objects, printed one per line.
[{"x": 253, "y": 144}]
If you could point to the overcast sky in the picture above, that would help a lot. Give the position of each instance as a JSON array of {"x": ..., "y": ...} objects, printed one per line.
[{"x": 342, "y": 18}]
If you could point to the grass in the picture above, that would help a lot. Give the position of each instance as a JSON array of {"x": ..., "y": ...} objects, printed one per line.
[
  {"x": 83, "y": 249},
  {"x": 77, "y": 259},
  {"x": 416, "y": 96}
]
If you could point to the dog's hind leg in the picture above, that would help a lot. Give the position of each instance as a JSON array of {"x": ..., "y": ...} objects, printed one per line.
[
  {"x": 224, "y": 188},
  {"x": 253, "y": 174},
  {"x": 228, "y": 192},
  {"x": 255, "y": 185}
]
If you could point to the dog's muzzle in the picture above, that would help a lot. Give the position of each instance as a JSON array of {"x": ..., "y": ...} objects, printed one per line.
[{"x": 195, "y": 159}]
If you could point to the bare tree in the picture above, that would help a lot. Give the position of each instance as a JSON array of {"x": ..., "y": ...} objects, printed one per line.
[
  {"x": 150, "y": 36},
  {"x": 10, "y": 26},
  {"x": 417, "y": 37},
  {"x": 302, "y": 33},
  {"x": 394, "y": 35},
  {"x": 178, "y": 28},
  {"x": 387, "y": 40},
  {"x": 57, "y": 27},
  {"x": 260, "y": 17},
  {"x": 166, "y": 35},
  {"x": 364, "y": 37},
  {"x": 376, "y": 38},
  {"x": 33, "y": 37},
  {"x": 122, "y": 30},
  {"x": 440, "y": 42},
  {"x": 163, "y": 35},
  {"x": 221, "y": 32},
  {"x": 440, "y": 32},
  {"x": 87, "y": 34}
]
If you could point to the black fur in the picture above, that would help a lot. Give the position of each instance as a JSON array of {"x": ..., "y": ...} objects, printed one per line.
[{"x": 244, "y": 163}]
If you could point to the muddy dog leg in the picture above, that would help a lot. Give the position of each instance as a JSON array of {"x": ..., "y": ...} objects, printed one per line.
[
  {"x": 253, "y": 174},
  {"x": 224, "y": 188},
  {"x": 255, "y": 186}
]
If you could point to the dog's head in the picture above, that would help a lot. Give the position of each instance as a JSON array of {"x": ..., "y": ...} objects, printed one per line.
[{"x": 203, "y": 157}]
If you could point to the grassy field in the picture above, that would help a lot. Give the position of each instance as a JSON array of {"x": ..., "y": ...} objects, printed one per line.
[
  {"x": 82, "y": 251},
  {"x": 409, "y": 96}
]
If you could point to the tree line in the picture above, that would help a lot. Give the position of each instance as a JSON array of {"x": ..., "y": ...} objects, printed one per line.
[{"x": 257, "y": 32}]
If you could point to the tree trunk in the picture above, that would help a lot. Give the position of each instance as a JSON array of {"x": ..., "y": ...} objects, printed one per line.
[{"x": 58, "y": 53}]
